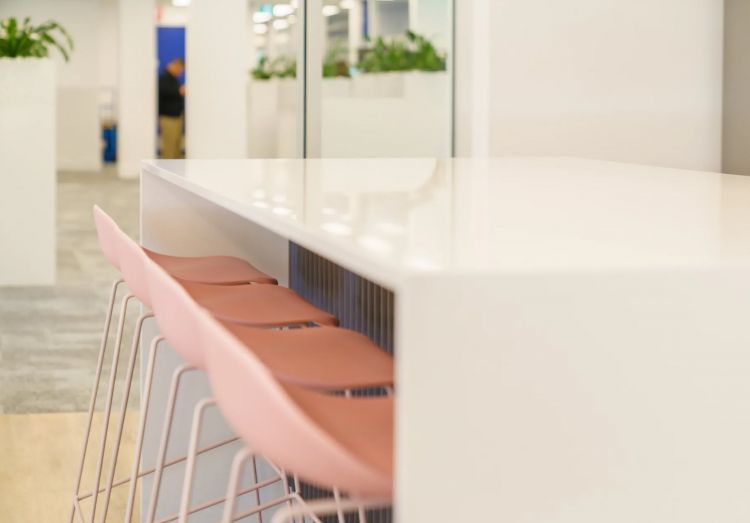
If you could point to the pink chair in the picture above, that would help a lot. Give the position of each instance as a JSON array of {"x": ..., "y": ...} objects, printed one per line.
[
  {"x": 258, "y": 305},
  {"x": 215, "y": 270},
  {"x": 219, "y": 270},
  {"x": 323, "y": 357},
  {"x": 330, "y": 441},
  {"x": 267, "y": 305}
]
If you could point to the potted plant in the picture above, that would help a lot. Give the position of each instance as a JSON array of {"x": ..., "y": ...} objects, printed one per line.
[
  {"x": 27, "y": 149},
  {"x": 389, "y": 64}
]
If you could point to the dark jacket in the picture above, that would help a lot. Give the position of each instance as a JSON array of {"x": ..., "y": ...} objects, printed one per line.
[{"x": 171, "y": 102}]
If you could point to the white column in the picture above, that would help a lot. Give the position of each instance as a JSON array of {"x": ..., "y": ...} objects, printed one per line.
[
  {"x": 356, "y": 17},
  {"x": 137, "y": 86},
  {"x": 217, "y": 77},
  {"x": 372, "y": 18},
  {"x": 28, "y": 196},
  {"x": 472, "y": 72},
  {"x": 315, "y": 38}
]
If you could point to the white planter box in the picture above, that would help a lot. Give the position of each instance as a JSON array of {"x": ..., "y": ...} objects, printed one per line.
[
  {"x": 390, "y": 115},
  {"x": 378, "y": 85},
  {"x": 27, "y": 172},
  {"x": 398, "y": 114}
]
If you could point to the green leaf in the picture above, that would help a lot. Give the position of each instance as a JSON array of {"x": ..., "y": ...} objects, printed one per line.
[
  {"x": 28, "y": 40},
  {"x": 47, "y": 38}
]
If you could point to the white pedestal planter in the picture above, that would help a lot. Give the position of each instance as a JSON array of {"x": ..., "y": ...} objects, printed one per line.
[
  {"x": 27, "y": 172},
  {"x": 390, "y": 115},
  {"x": 401, "y": 114}
]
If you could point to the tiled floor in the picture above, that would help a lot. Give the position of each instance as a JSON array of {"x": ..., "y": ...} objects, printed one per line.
[{"x": 49, "y": 336}]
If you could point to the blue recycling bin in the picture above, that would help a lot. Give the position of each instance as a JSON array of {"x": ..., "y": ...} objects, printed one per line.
[{"x": 109, "y": 135}]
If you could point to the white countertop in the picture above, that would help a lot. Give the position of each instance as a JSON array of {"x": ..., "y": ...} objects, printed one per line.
[
  {"x": 579, "y": 326},
  {"x": 392, "y": 218}
]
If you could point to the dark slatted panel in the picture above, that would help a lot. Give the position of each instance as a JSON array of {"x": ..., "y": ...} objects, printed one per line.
[{"x": 359, "y": 304}]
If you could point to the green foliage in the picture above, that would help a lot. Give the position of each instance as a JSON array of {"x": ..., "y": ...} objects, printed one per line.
[
  {"x": 412, "y": 53},
  {"x": 286, "y": 67},
  {"x": 25, "y": 40},
  {"x": 281, "y": 67},
  {"x": 335, "y": 63}
]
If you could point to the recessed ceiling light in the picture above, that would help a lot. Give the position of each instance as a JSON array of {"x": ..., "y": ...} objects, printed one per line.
[
  {"x": 330, "y": 10},
  {"x": 281, "y": 10},
  {"x": 261, "y": 17}
]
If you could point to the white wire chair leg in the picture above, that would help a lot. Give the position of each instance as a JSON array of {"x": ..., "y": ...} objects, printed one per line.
[
  {"x": 175, "y": 461},
  {"x": 187, "y": 486},
  {"x": 159, "y": 467},
  {"x": 145, "y": 402},
  {"x": 233, "y": 493},
  {"x": 340, "y": 511},
  {"x": 94, "y": 391},
  {"x": 123, "y": 410},
  {"x": 234, "y": 482},
  {"x": 108, "y": 404},
  {"x": 298, "y": 491},
  {"x": 218, "y": 501},
  {"x": 327, "y": 506},
  {"x": 254, "y": 470}
]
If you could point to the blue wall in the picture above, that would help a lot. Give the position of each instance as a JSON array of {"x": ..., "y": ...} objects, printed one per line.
[{"x": 170, "y": 44}]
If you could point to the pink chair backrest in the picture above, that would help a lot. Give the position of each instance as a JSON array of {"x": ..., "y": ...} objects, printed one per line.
[
  {"x": 175, "y": 309},
  {"x": 106, "y": 230},
  {"x": 266, "y": 416},
  {"x": 133, "y": 266}
]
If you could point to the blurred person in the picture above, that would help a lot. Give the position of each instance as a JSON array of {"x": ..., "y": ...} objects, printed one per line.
[{"x": 171, "y": 108}]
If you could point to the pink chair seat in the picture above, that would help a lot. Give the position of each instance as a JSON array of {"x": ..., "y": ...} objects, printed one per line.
[
  {"x": 326, "y": 358},
  {"x": 213, "y": 270},
  {"x": 364, "y": 427},
  {"x": 327, "y": 440},
  {"x": 257, "y": 305}
]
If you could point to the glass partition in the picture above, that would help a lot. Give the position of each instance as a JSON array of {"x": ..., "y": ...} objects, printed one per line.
[
  {"x": 274, "y": 110},
  {"x": 386, "y": 83},
  {"x": 374, "y": 78}
]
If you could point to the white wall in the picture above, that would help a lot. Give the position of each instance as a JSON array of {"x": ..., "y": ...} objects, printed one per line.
[
  {"x": 217, "y": 78},
  {"x": 635, "y": 80},
  {"x": 393, "y": 18},
  {"x": 433, "y": 19},
  {"x": 171, "y": 16},
  {"x": 107, "y": 31},
  {"x": 136, "y": 137}
]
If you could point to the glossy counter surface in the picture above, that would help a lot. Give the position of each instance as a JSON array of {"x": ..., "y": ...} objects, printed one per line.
[{"x": 392, "y": 218}]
